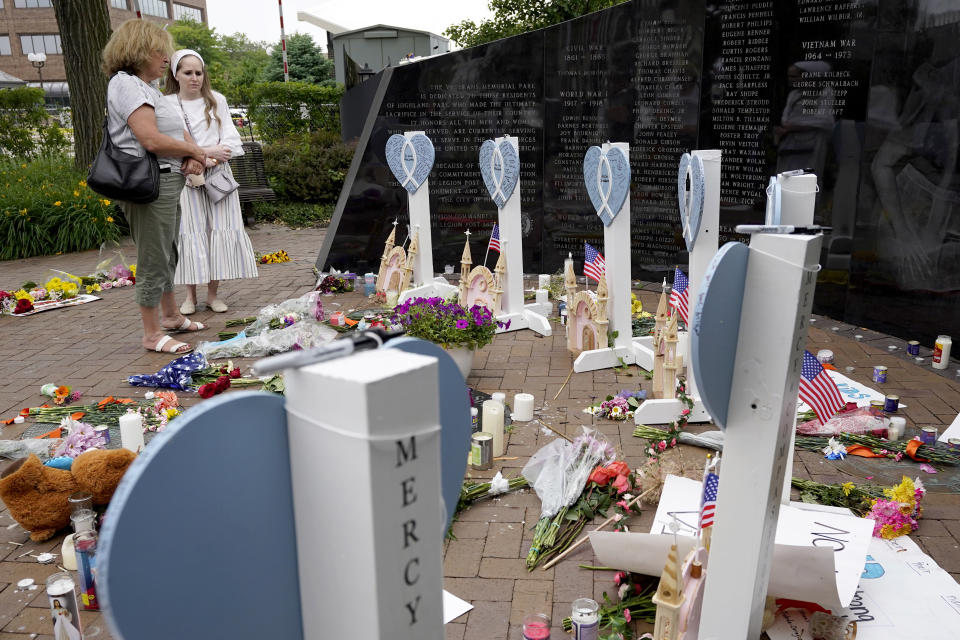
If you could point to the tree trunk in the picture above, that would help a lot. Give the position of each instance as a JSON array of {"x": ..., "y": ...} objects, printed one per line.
[{"x": 84, "y": 31}]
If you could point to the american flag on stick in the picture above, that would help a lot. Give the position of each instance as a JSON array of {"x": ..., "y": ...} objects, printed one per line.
[
  {"x": 495, "y": 238},
  {"x": 594, "y": 265},
  {"x": 708, "y": 502},
  {"x": 680, "y": 295},
  {"x": 818, "y": 389}
]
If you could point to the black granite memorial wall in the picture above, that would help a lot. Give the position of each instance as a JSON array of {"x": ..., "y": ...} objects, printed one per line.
[{"x": 865, "y": 93}]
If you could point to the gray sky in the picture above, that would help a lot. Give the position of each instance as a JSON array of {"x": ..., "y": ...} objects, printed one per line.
[{"x": 260, "y": 19}]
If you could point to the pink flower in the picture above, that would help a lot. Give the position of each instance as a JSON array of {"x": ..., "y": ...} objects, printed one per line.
[
  {"x": 662, "y": 445},
  {"x": 619, "y": 577},
  {"x": 617, "y": 517},
  {"x": 673, "y": 442},
  {"x": 685, "y": 412},
  {"x": 623, "y": 505},
  {"x": 899, "y": 456},
  {"x": 106, "y": 285},
  {"x": 626, "y": 615},
  {"x": 651, "y": 452},
  {"x": 621, "y": 484}
]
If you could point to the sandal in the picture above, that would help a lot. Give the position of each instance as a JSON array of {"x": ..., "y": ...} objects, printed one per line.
[
  {"x": 217, "y": 305},
  {"x": 188, "y": 307},
  {"x": 166, "y": 344},
  {"x": 185, "y": 326}
]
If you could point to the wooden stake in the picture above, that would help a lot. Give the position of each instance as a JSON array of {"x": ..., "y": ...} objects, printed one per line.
[
  {"x": 569, "y": 375},
  {"x": 603, "y": 524},
  {"x": 562, "y": 435}
]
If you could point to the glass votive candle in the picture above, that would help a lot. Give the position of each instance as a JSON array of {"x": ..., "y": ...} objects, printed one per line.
[
  {"x": 392, "y": 298},
  {"x": 84, "y": 520},
  {"x": 79, "y": 501},
  {"x": 536, "y": 626}
]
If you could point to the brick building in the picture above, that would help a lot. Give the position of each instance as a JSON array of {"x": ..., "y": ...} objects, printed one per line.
[{"x": 30, "y": 26}]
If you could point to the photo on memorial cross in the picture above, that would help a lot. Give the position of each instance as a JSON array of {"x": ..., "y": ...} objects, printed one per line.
[{"x": 861, "y": 93}]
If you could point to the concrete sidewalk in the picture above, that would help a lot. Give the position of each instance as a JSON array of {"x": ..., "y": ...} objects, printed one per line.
[{"x": 93, "y": 348}]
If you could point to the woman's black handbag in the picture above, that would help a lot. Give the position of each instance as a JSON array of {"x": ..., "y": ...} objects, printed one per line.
[{"x": 121, "y": 176}]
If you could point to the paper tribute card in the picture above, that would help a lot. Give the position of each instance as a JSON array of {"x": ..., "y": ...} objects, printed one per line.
[
  {"x": 818, "y": 556},
  {"x": 902, "y": 593}
]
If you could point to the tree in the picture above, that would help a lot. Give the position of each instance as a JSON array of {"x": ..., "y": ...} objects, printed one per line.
[
  {"x": 233, "y": 62},
  {"x": 512, "y": 17},
  {"x": 244, "y": 66},
  {"x": 306, "y": 61},
  {"x": 84, "y": 31},
  {"x": 189, "y": 34}
]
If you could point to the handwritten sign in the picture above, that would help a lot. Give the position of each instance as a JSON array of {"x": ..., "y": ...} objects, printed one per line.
[
  {"x": 902, "y": 593},
  {"x": 798, "y": 527}
]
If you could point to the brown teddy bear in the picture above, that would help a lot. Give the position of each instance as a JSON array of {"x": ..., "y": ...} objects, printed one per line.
[{"x": 36, "y": 495}]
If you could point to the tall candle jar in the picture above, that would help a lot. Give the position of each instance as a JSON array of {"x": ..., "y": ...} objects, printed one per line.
[
  {"x": 585, "y": 618},
  {"x": 64, "y": 612}
]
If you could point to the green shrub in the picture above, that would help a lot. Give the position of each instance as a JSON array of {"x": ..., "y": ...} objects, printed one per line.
[
  {"x": 281, "y": 109},
  {"x": 46, "y": 208},
  {"x": 295, "y": 215},
  {"x": 26, "y": 130},
  {"x": 308, "y": 168}
]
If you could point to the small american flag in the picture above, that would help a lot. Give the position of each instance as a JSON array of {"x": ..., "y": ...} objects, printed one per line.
[
  {"x": 680, "y": 296},
  {"x": 594, "y": 265},
  {"x": 708, "y": 506},
  {"x": 495, "y": 238},
  {"x": 818, "y": 389}
]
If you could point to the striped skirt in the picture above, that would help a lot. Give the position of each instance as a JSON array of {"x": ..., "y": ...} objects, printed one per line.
[{"x": 212, "y": 242}]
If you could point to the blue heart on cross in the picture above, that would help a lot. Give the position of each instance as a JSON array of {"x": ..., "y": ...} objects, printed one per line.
[
  {"x": 500, "y": 168},
  {"x": 410, "y": 159},
  {"x": 607, "y": 178}
]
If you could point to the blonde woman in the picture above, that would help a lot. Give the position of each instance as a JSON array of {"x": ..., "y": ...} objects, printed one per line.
[
  {"x": 213, "y": 244},
  {"x": 139, "y": 120}
]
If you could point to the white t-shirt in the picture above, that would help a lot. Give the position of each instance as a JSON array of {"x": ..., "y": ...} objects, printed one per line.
[
  {"x": 125, "y": 94},
  {"x": 209, "y": 135}
]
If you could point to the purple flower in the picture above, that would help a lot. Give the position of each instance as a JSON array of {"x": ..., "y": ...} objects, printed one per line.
[{"x": 462, "y": 324}]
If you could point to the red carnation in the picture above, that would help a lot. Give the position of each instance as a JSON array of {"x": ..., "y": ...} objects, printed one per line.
[
  {"x": 235, "y": 373},
  {"x": 23, "y": 305},
  {"x": 206, "y": 390}
]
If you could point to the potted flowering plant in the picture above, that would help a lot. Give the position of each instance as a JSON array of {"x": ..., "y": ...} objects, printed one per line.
[{"x": 449, "y": 324}]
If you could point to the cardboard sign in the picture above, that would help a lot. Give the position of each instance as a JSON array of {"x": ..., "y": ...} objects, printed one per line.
[
  {"x": 902, "y": 593},
  {"x": 799, "y": 571}
]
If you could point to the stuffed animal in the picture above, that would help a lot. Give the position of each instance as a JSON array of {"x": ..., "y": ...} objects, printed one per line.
[{"x": 36, "y": 495}]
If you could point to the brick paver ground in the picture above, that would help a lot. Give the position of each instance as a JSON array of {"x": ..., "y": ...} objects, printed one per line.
[{"x": 93, "y": 347}]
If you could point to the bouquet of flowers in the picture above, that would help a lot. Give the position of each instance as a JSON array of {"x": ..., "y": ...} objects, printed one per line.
[
  {"x": 447, "y": 323},
  {"x": 559, "y": 473},
  {"x": 620, "y": 406},
  {"x": 896, "y": 515},
  {"x": 80, "y": 437}
]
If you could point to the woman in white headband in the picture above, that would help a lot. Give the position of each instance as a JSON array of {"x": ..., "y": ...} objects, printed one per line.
[{"x": 213, "y": 245}]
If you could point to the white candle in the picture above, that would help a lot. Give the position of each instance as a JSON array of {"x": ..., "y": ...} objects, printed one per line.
[
  {"x": 499, "y": 396},
  {"x": 392, "y": 298},
  {"x": 523, "y": 407},
  {"x": 131, "y": 432},
  {"x": 896, "y": 428},
  {"x": 493, "y": 424},
  {"x": 543, "y": 281},
  {"x": 543, "y": 296}
]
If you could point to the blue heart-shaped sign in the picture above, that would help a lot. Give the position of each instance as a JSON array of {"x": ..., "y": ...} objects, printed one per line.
[
  {"x": 500, "y": 168},
  {"x": 410, "y": 159},
  {"x": 607, "y": 177},
  {"x": 691, "y": 213}
]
